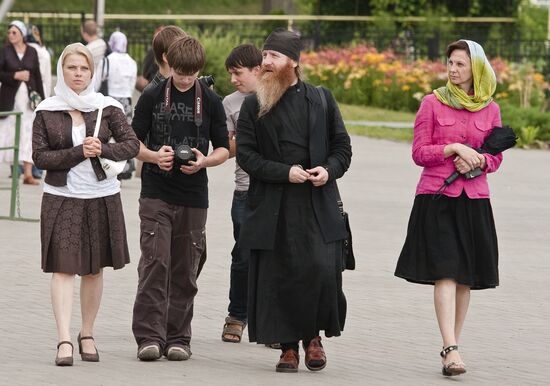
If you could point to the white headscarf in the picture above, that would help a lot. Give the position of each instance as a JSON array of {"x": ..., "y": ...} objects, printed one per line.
[
  {"x": 20, "y": 26},
  {"x": 66, "y": 99},
  {"x": 118, "y": 42}
]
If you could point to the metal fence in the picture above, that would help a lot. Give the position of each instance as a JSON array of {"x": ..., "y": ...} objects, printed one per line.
[{"x": 410, "y": 38}]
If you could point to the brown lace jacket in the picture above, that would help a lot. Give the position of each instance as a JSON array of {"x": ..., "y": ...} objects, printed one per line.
[{"x": 52, "y": 144}]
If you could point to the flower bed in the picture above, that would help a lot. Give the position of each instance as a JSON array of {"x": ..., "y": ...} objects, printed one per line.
[{"x": 363, "y": 76}]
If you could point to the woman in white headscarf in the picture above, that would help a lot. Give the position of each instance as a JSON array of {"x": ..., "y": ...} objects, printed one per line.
[
  {"x": 20, "y": 76},
  {"x": 120, "y": 71},
  {"x": 82, "y": 223}
]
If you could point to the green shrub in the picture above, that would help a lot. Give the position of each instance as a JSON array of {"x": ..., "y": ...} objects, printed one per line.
[
  {"x": 519, "y": 118},
  {"x": 527, "y": 136}
]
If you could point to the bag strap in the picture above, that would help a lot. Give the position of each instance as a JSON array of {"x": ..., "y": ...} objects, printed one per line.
[
  {"x": 323, "y": 101},
  {"x": 98, "y": 120},
  {"x": 105, "y": 73},
  {"x": 325, "y": 111}
]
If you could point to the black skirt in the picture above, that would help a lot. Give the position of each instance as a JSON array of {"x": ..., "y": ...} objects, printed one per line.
[{"x": 450, "y": 238}]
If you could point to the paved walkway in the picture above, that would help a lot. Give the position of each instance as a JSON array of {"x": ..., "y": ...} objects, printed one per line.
[
  {"x": 392, "y": 125},
  {"x": 391, "y": 334}
]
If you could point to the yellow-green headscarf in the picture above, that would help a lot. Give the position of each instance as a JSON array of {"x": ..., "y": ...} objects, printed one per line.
[{"x": 484, "y": 82}]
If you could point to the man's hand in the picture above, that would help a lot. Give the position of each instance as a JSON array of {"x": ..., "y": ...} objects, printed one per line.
[
  {"x": 318, "y": 176},
  {"x": 91, "y": 147},
  {"x": 194, "y": 166},
  {"x": 165, "y": 158},
  {"x": 297, "y": 175}
]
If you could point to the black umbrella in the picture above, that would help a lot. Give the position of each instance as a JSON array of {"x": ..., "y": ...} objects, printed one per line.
[{"x": 500, "y": 139}]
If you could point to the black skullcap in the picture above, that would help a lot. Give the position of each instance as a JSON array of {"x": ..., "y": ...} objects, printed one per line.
[{"x": 284, "y": 41}]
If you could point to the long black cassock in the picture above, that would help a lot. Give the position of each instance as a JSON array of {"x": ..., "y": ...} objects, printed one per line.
[{"x": 294, "y": 231}]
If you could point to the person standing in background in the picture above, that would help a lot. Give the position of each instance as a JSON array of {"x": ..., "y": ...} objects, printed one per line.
[
  {"x": 148, "y": 67},
  {"x": 243, "y": 64},
  {"x": 122, "y": 72},
  {"x": 161, "y": 42},
  {"x": 20, "y": 77},
  {"x": 95, "y": 43},
  {"x": 34, "y": 39},
  {"x": 119, "y": 70}
]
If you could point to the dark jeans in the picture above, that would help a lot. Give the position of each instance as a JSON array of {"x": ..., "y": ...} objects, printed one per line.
[
  {"x": 172, "y": 242},
  {"x": 238, "y": 290}
]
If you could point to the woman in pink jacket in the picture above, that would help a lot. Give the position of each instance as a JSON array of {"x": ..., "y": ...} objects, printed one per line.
[{"x": 451, "y": 239}]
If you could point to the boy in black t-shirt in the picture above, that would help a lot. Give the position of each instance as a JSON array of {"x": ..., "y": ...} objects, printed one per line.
[{"x": 174, "y": 199}]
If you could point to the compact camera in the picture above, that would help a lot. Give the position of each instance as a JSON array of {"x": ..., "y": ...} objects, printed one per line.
[{"x": 182, "y": 155}]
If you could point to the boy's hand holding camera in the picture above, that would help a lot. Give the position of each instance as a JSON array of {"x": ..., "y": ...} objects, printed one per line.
[
  {"x": 165, "y": 158},
  {"x": 194, "y": 166}
]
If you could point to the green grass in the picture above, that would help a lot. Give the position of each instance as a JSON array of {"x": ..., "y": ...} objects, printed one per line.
[
  {"x": 401, "y": 135},
  {"x": 217, "y": 7},
  {"x": 363, "y": 113}
]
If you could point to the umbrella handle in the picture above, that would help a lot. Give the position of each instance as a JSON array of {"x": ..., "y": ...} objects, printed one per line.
[
  {"x": 449, "y": 180},
  {"x": 473, "y": 173}
]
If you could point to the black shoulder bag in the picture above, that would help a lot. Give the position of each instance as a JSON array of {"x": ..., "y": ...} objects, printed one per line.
[
  {"x": 104, "y": 87},
  {"x": 348, "y": 258}
]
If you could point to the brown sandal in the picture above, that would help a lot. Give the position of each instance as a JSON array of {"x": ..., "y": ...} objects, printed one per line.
[{"x": 234, "y": 327}]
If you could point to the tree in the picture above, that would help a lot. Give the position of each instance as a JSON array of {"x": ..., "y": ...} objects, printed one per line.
[{"x": 489, "y": 8}]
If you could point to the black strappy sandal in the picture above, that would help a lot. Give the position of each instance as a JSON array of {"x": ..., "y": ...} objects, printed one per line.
[{"x": 451, "y": 368}]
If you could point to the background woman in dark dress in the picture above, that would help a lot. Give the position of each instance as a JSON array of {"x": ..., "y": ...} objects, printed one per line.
[
  {"x": 19, "y": 74},
  {"x": 82, "y": 224},
  {"x": 451, "y": 239}
]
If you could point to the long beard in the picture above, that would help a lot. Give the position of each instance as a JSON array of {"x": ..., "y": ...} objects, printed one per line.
[{"x": 272, "y": 86}]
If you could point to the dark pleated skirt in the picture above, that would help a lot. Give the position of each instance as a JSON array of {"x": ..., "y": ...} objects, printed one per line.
[
  {"x": 81, "y": 236},
  {"x": 295, "y": 290},
  {"x": 450, "y": 238}
]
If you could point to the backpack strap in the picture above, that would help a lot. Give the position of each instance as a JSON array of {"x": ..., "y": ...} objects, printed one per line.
[{"x": 323, "y": 100}]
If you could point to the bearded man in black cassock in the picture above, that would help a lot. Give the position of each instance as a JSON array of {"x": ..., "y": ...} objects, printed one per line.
[{"x": 294, "y": 149}]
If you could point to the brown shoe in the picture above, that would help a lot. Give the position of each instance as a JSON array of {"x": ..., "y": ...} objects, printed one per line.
[
  {"x": 315, "y": 355},
  {"x": 288, "y": 363},
  {"x": 64, "y": 361},
  {"x": 87, "y": 357}
]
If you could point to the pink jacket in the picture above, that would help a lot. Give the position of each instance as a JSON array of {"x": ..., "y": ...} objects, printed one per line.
[{"x": 437, "y": 125}]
